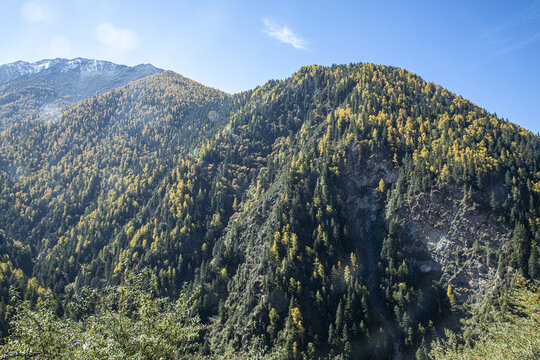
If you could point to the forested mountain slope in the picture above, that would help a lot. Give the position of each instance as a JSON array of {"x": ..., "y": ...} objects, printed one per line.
[{"x": 350, "y": 211}]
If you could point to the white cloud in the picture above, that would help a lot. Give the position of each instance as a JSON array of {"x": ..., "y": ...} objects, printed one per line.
[
  {"x": 121, "y": 39},
  {"x": 32, "y": 12},
  {"x": 61, "y": 46},
  {"x": 283, "y": 34}
]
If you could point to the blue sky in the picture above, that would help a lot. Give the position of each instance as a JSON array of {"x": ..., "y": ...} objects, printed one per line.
[{"x": 486, "y": 51}]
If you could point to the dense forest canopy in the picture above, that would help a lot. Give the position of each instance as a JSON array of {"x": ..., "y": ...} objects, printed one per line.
[{"x": 341, "y": 211}]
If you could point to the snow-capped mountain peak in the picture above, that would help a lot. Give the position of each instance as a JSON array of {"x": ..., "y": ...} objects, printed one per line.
[{"x": 20, "y": 69}]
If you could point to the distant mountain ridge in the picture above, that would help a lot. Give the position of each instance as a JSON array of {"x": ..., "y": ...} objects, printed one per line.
[
  {"x": 31, "y": 89},
  {"x": 19, "y": 69}
]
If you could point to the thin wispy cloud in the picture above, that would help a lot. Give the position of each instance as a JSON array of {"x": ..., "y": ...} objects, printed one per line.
[
  {"x": 517, "y": 32},
  {"x": 283, "y": 34},
  {"x": 518, "y": 45},
  {"x": 116, "y": 37}
]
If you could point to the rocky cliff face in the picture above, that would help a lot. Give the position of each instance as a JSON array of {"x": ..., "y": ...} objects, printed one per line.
[
  {"x": 450, "y": 235},
  {"x": 447, "y": 233}
]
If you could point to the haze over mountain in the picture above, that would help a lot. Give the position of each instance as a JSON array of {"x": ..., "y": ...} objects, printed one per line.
[
  {"x": 44, "y": 87},
  {"x": 353, "y": 211}
]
